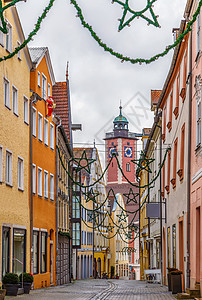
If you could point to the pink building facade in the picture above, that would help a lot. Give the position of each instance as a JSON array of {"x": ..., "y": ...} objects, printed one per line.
[{"x": 196, "y": 153}]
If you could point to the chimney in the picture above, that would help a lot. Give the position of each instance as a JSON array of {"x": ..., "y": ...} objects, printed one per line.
[
  {"x": 175, "y": 32},
  {"x": 67, "y": 72}
]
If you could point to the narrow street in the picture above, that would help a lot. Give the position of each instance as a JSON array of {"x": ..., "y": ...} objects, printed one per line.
[{"x": 96, "y": 289}]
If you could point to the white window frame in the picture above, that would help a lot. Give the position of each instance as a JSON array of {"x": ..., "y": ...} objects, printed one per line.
[
  {"x": 45, "y": 184},
  {"x": 20, "y": 170},
  {"x": 40, "y": 127},
  {"x": 9, "y": 36},
  {"x": 1, "y": 36},
  {"x": 52, "y": 136},
  {"x": 51, "y": 187},
  {"x": 49, "y": 90},
  {"x": 15, "y": 103},
  {"x": 39, "y": 181},
  {"x": 46, "y": 131},
  {"x": 19, "y": 52},
  {"x": 26, "y": 109},
  {"x": 39, "y": 79},
  {"x": 1, "y": 163},
  {"x": 34, "y": 119},
  {"x": 128, "y": 167},
  {"x": 9, "y": 181},
  {"x": 44, "y": 86},
  {"x": 6, "y": 93},
  {"x": 34, "y": 178},
  {"x": 198, "y": 34},
  {"x": 198, "y": 107}
]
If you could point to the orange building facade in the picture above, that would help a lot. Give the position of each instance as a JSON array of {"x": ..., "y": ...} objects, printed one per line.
[{"x": 43, "y": 159}]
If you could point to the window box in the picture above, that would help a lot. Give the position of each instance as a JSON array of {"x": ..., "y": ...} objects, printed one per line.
[
  {"x": 169, "y": 125},
  {"x": 167, "y": 189},
  {"x": 176, "y": 112},
  {"x": 183, "y": 94},
  {"x": 180, "y": 174}
]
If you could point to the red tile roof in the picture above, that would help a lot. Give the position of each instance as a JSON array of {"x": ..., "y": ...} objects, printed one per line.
[{"x": 60, "y": 97}]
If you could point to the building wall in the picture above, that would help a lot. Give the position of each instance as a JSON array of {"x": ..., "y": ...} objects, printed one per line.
[
  {"x": 14, "y": 136},
  {"x": 44, "y": 158}
]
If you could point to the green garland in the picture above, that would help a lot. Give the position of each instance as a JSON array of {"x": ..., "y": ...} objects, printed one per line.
[
  {"x": 32, "y": 33},
  {"x": 126, "y": 58},
  {"x": 4, "y": 25}
]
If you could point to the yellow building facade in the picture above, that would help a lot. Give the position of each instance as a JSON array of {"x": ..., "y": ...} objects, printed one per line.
[{"x": 14, "y": 149}]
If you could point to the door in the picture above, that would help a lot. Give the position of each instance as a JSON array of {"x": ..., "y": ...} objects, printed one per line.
[
  {"x": 51, "y": 262},
  {"x": 198, "y": 242},
  {"x": 181, "y": 246}
]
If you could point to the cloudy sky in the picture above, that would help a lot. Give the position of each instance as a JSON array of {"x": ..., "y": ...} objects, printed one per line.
[{"x": 97, "y": 80}]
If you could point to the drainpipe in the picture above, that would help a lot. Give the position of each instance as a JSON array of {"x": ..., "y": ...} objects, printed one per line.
[
  {"x": 189, "y": 160},
  {"x": 56, "y": 199}
]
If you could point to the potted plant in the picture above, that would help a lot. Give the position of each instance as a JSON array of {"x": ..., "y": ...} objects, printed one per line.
[
  {"x": 10, "y": 281},
  {"x": 117, "y": 276},
  {"x": 27, "y": 281},
  {"x": 112, "y": 272},
  {"x": 169, "y": 277},
  {"x": 176, "y": 281},
  {"x": 2, "y": 294}
]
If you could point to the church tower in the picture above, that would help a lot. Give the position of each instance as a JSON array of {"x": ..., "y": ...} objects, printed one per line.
[{"x": 124, "y": 144}]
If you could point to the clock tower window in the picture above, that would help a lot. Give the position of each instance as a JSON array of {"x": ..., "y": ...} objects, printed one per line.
[{"x": 128, "y": 167}]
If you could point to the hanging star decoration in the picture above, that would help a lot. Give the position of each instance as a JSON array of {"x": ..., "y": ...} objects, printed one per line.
[
  {"x": 137, "y": 14},
  {"x": 83, "y": 162},
  {"x": 131, "y": 196},
  {"x": 93, "y": 217},
  {"x": 110, "y": 228},
  {"x": 3, "y": 26},
  {"x": 91, "y": 196},
  {"x": 122, "y": 217},
  {"x": 143, "y": 163}
]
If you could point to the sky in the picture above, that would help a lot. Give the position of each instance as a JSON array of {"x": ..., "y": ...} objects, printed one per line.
[{"x": 98, "y": 81}]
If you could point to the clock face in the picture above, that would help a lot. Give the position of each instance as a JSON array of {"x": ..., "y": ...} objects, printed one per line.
[
  {"x": 128, "y": 151},
  {"x": 111, "y": 151}
]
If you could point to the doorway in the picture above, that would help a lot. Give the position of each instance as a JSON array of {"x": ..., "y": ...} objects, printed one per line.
[
  {"x": 51, "y": 262},
  {"x": 198, "y": 243}
]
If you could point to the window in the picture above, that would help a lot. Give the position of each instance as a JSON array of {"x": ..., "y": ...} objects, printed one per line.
[
  {"x": 19, "y": 52},
  {"x": 15, "y": 100},
  {"x": 39, "y": 181},
  {"x": 49, "y": 90},
  {"x": 40, "y": 127},
  {"x": 173, "y": 181},
  {"x": 128, "y": 167},
  {"x": 44, "y": 87},
  {"x": 51, "y": 136},
  {"x": 20, "y": 173},
  {"x": 39, "y": 79},
  {"x": 46, "y": 132},
  {"x": 1, "y": 35},
  {"x": 169, "y": 124},
  {"x": 43, "y": 252},
  {"x": 1, "y": 163},
  {"x": 6, "y": 93},
  {"x": 168, "y": 246},
  {"x": 174, "y": 245},
  {"x": 76, "y": 234},
  {"x": 183, "y": 90},
  {"x": 34, "y": 178},
  {"x": 5, "y": 250},
  {"x": 9, "y": 38},
  {"x": 198, "y": 109},
  {"x": 198, "y": 35},
  {"x": 36, "y": 251},
  {"x": 181, "y": 170},
  {"x": 9, "y": 168},
  {"x": 164, "y": 124},
  {"x": 34, "y": 121},
  {"x": 176, "y": 110},
  {"x": 19, "y": 250},
  {"x": 45, "y": 184},
  {"x": 168, "y": 173},
  {"x": 51, "y": 186},
  {"x": 26, "y": 110}
]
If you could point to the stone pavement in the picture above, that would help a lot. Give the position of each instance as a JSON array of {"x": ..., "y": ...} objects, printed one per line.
[{"x": 100, "y": 289}]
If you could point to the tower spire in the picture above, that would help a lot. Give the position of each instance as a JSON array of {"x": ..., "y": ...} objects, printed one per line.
[{"x": 120, "y": 107}]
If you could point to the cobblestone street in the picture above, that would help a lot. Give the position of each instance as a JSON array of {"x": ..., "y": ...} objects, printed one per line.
[{"x": 96, "y": 289}]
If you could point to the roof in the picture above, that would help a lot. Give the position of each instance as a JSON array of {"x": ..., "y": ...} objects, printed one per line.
[
  {"x": 155, "y": 95},
  {"x": 60, "y": 97},
  {"x": 37, "y": 54},
  {"x": 120, "y": 119}
]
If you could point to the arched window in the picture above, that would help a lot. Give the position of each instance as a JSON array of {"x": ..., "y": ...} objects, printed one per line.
[{"x": 128, "y": 167}]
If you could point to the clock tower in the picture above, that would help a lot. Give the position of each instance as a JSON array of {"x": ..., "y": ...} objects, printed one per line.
[{"x": 124, "y": 144}]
